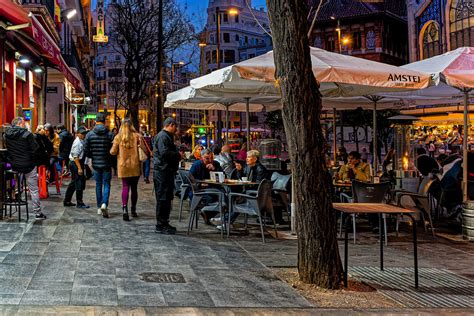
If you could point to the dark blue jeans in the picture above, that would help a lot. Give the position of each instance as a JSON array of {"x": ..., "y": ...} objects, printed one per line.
[
  {"x": 102, "y": 179},
  {"x": 146, "y": 168}
]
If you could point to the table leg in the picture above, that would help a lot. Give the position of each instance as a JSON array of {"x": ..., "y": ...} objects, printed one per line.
[
  {"x": 346, "y": 247},
  {"x": 381, "y": 239},
  {"x": 415, "y": 250}
]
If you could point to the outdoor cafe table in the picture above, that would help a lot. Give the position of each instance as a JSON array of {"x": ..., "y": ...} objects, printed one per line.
[
  {"x": 375, "y": 208},
  {"x": 227, "y": 185}
]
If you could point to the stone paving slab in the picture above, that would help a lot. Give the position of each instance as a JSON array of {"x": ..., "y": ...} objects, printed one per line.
[{"x": 77, "y": 258}]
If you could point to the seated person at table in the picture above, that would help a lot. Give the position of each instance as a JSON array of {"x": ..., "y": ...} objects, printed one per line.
[
  {"x": 254, "y": 171},
  {"x": 355, "y": 169},
  {"x": 201, "y": 170},
  {"x": 424, "y": 163},
  {"x": 224, "y": 158}
]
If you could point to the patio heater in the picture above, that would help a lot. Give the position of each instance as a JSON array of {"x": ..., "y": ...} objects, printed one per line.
[{"x": 403, "y": 161}]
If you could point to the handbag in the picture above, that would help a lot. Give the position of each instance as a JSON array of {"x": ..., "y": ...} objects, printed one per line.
[{"x": 142, "y": 155}]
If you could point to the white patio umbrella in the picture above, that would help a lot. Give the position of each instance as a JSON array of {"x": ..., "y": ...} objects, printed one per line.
[
  {"x": 456, "y": 71},
  {"x": 338, "y": 75}
]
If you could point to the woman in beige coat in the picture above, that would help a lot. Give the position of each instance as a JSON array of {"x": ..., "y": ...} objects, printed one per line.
[{"x": 125, "y": 146}]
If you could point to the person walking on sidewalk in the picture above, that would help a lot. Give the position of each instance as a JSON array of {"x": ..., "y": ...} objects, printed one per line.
[
  {"x": 126, "y": 145},
  {"x": 65, "y": 145},
  {"x": 167, "y": 159},
  {"x": 76, "y": 167},
  {"x": 149, "y": 152},
  {"x": 22, "y": 153},
  {"x": 54, "y": 156},
  {"x": 98, "y": 143}
]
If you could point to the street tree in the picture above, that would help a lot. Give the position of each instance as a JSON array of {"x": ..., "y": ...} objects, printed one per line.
[
  {"x": 318, "y": 253},
  {"x": 133, "y": 34}
]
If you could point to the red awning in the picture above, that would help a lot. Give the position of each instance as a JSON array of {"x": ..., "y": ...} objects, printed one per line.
[
  {"x": 52, "y": 51},
  {"x": 13, "y": 13}
]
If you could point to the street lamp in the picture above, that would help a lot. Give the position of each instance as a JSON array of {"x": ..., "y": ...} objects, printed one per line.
[
  {"x": 67, "y": 15},
  {"x": 232, "y": 12},
  {"x": 173, "y": 69}
]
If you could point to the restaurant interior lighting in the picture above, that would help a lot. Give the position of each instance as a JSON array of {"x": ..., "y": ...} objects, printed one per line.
[
  {"x": 24, "y": 60},
  {"x": 38, "y": 69}
]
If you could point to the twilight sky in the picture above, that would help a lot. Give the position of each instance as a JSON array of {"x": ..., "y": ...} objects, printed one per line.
[{"x": 197, "y": 9}]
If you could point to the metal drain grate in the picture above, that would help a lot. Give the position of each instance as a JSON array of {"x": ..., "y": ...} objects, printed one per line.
[
  {"x": 85, "y": 221},
  {"x": 438, "y": 288},
  {"x": 158, "y": 277}
]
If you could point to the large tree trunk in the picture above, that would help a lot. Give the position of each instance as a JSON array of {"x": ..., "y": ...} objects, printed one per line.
[{"x": 318, "y": 254}]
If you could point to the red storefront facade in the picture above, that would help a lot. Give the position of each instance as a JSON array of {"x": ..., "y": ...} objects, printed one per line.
[{"x": 23, "y": 38}]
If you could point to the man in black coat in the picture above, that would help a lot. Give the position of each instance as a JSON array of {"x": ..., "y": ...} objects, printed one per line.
[
  {"x": 166, "y": 165},
  {"x": 97, "y": 145},
  {"x": 66, "y": 144},
  {"x": 22, "y": 153}
]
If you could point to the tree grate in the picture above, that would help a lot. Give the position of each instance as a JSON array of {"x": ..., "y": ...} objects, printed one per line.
[
  {"x": 438, "y": 288},
  {"x": 159, "y": 277}
]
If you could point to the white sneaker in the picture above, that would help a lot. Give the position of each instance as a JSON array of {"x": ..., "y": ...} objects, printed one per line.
[
  {"x": 99, "y": 211},
  {"x": 216, "y": 221},
  {"x": 103, "y": 206}
]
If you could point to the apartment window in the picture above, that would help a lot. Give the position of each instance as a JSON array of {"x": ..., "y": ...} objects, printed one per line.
[
  {"x": 251, "y": 56},
  {"x": 236, "y": 18},
  {"x": 226, "y": 38},
  {"x": 225, "y": 17},
  {"x": 237, "y": 38},
  {"x": 356, "y": 40},
  {"x": 246, "y": 40},
  {"x": 115, "y": 72},
  {"x": 214, "y": 17},
  {"x": 229, "y": 56},
  {"x": 330, "y": 44},
  {"x": 117, "y": 57}
]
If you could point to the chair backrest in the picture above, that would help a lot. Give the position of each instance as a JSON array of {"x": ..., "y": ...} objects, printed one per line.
[
  {"x": 425, "y": 185},
  {"x": 190, "y": 180},
  {"x": 281, "y": 182},
  {"x": 364, "y": 192},
  {"x": 183, "y": 174},
  {"x": 264, "y": 195}
]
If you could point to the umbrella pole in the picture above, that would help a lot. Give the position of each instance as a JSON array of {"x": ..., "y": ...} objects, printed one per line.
[
  {"x": 374, "y": 138},
  {"x": 247, "y": 121},
  {"x": 227, "y": 124},
  {"x": 334, "y": 136},
  {"x": 464, "y": 143}
]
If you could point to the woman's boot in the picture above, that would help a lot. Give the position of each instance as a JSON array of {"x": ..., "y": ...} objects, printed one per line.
[
  {"x": 134, "y": 211},
  {"x": 125, "y": 213}
]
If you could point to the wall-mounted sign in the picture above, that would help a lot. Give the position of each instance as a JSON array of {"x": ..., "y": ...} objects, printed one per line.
[
  {"x": 77, "y": 98},
  {"x": 20, "y": 73},
  {"x": 100, "y": 37},
  {"x": 51, "y": 89},
  {"x": 32, "y": 101}
]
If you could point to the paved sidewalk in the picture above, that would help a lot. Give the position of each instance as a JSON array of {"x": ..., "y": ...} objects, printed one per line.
[{"x": 76, "y": 257}]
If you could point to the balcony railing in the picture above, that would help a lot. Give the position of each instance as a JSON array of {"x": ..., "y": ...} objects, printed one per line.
[{"x": 49, "y": 4}]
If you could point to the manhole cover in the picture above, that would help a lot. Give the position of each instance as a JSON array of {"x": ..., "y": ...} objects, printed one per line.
[
  {"x": 158, "y": 277},
  {"x": 85, "y": 221}
]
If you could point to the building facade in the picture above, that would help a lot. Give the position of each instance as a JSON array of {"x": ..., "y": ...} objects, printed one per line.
[
  {"x": 243, "y": 35},
  {"x": 74, "y": 73},
  {"x": 439, "y": 26},
  {"x": 370, "y": 29}
]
